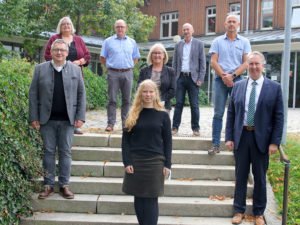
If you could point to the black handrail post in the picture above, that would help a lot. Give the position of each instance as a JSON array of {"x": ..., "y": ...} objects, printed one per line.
[{"x": 286, "y": 162}]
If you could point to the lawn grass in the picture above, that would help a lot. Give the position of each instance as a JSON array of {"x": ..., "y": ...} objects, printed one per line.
[{"x": 276, "y": 174}]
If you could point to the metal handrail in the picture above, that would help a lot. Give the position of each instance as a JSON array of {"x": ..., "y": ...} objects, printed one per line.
[{"x": 284, "y": 159}]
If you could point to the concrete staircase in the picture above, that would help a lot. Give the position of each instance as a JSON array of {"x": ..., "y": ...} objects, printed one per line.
[{"x": 199, "y": 193}]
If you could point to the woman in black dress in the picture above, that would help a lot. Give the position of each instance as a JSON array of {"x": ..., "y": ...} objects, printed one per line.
[{"x": 146, "y": 152}]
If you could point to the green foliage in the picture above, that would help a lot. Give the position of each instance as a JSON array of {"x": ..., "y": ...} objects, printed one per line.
[
  {"x": 93, "y": 17},
  {"x": 96, "y": 90},
  {"x": 20, "y": 145},
  {"x": 276, "y": 178}
]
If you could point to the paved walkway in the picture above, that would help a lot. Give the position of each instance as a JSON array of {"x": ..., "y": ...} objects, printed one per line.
[{"x": 96, "y": 122}]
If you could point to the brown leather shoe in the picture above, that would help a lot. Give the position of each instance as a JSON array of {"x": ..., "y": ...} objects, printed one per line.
[
  {"x": 66, "y": 193},
  {"x": 237, "y": 218},
  {"x": 46, "y": 193},
  {"x": 109, "y": 128},
  {"x": 259, "y": 220}
]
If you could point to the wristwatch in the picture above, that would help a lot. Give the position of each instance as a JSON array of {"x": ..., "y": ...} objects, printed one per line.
[{"x": 234, "y": 75}]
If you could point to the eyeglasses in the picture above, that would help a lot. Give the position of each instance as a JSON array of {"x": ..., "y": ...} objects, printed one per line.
[
  {"x": 56, "y": 50},
  {"x": 157, "y": 53},
  {"x": 120, "y": 27},
  {"x": 65, "y": 24}
]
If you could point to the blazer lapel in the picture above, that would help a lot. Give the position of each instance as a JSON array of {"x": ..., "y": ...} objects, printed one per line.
[{"x": 263, "y": 93}]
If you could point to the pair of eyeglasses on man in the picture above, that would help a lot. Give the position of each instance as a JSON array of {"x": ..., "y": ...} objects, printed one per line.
[{"x": 59, "y": 50}]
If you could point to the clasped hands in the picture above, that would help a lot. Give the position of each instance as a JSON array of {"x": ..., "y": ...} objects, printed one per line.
[
  {"x": 129, "y": 169},
  {"x": 227, "y": 79}
]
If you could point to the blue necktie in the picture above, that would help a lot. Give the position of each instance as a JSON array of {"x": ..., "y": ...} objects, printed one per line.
[{"x": 251, "y": 105}]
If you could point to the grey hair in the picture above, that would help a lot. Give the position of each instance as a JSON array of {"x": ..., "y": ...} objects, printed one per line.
[
  {"x": 60, "y": 41},
  {"x": 254, "y": 53},
  {"x": 68, "y": 19},
  {"x": 234, "y": 15},
  {"x": 161, "y": 47}
]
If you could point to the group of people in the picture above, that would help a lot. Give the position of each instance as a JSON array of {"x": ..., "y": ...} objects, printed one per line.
[{"x": 254, "y": 118}]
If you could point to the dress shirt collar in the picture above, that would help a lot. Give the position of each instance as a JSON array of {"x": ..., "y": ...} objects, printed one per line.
[
  {"x": 116, "y": 37},
  {"x": 58, "y": 68},
  {"x": 236, "y": 38},
  {"x": 259, "y": 81}
]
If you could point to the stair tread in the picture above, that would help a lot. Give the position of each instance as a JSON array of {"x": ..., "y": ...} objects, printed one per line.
[
  {"x": 185, "y": 166},
  {"x": 82, "y": 218},
  {"x": 179, "y": 181}
]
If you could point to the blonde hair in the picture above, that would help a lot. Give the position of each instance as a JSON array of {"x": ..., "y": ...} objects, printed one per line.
[
  {"x": 68, "y": 19},
  {"x": 137, "y": 105},
  {"x": 162, "y": 48}
]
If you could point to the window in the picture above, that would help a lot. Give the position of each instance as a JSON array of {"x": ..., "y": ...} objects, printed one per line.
[
  {"x": 169, "y": 25},
  {"x": 235, "y": 8},
  {"x": 266, "y": 14},
  {"x": 295, "y": 13},
  {"x": 211, "y": 20}
]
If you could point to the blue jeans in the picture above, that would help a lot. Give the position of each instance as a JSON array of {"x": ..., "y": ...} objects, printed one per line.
[
  {"x": 221, "y": 92},
  {"x": 57, "y": 134},
  {"x": 186, "y": 84}
]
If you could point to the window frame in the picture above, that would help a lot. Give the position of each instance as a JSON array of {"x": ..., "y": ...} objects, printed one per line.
[
  {"x": 262, "y": 15},
  {"x": 169, "y": 22},
  {"x": 295, "y": 5},
  {"x": 208, "y": 16}
]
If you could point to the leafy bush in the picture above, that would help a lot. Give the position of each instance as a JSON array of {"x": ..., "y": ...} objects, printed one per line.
[
  {"x": 20, "y": 149},
  {"x": 96, "y": 90}
]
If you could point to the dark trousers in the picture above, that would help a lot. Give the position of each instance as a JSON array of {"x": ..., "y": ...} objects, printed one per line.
[
  {"x": 246, "y": 154},
  {"x": 186, "y": 84},
  {"x": 146, "y": 210}
]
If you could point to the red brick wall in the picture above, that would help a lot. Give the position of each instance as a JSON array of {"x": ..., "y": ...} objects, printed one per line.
[{"x": 194, "y": 12}]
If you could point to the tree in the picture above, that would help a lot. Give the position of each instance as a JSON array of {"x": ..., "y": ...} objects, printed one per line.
[{"x": 92, "y": 17}]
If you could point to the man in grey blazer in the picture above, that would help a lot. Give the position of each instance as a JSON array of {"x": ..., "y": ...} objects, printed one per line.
[
  {"x": 189, "y": 64},
  {"x": 57, "y": 104}
]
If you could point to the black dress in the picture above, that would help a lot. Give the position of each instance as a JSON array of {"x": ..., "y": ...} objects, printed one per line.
[{"x": 148, "y": 148}]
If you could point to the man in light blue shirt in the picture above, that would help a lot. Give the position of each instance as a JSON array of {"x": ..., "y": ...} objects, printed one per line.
[
  {"x": 119, "y": 53},
  {"x": 229, "y": 60}
]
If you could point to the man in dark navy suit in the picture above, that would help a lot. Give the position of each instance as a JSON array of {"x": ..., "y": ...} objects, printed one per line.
[{"x": 253, "y": 131}]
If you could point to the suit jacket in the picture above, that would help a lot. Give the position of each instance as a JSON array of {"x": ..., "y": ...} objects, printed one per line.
[
  {"x": 168, "y": 83},
  {"x": 41, "y": 92},
  {"x": 197, "y": 60},
  {"x": 268, "y": 118}
]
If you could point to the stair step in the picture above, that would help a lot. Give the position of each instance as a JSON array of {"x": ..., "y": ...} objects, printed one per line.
[
  {"x": 178, "y": 156},
  {"x": 116, "y": 169},
  {"x": 114, "y": 141},
  {"x": 171, "y": 206},
  {"x": 174, "y": 187},
  {"x": 113, "y": 219},
  {"x": 123, "y": 204}
]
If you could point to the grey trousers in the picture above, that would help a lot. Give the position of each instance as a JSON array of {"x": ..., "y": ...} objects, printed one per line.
[
  {"x": 118, "y": 81},
  {"x": 57, "y": 135}
]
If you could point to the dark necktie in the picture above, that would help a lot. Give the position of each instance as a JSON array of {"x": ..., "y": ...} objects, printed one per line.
[{"x": 251, "y": 105}]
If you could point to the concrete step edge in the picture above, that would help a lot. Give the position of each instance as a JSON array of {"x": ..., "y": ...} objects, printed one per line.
[{"x": 115, "y": 219}]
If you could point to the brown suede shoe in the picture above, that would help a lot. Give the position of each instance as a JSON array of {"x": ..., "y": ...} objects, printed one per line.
[
  {"x": 66, "y": 193},
  {"x": 237, "y": 218},
  {"x": 46, "y": 193},
  {"x": 109, "y": 128},
  {"x": 259, "y": 220}
]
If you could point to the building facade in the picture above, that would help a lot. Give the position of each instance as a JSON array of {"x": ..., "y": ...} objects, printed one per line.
[{"x": 262, "y": 22}]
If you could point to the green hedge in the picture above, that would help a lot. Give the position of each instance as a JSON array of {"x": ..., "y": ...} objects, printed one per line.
[{"x": 20, "y": 150}]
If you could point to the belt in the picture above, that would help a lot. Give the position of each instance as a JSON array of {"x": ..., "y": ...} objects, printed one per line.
[
  {"x": 249, "y": 128},
  {"x": 186, "y": 74},
  {"x": 119, "y": 70}
]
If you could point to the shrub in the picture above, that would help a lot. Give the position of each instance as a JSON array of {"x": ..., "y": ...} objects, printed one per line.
[
  {"x": 20, "y": 149},
  {"x": 96, "y": 90}
]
